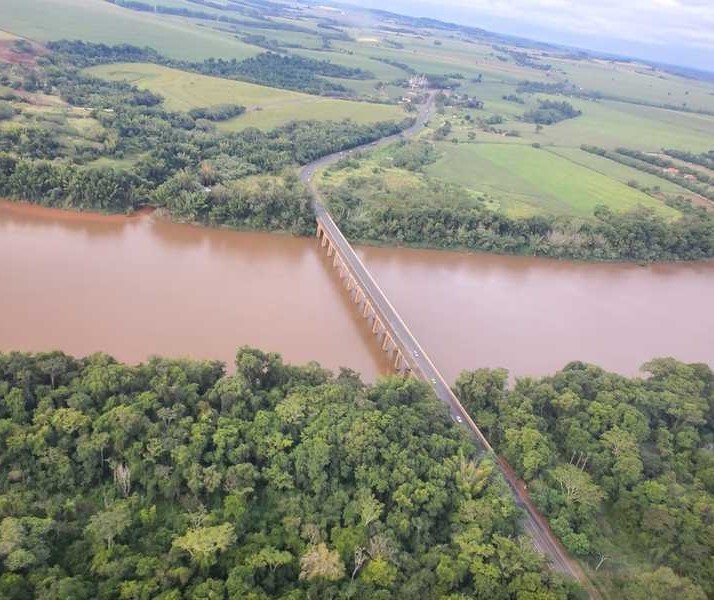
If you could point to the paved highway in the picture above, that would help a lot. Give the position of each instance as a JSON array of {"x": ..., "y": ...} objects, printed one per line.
[{"x": 420, "y": 363}]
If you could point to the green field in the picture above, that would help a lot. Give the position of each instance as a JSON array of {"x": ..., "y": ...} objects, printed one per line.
[
  {"x": 638, "y": 82},
  {"x": 267, "y": 107},
  {"x": 620, "y": 172},
  {"x": 525, "y": 180},
  {"x": 100, "y": 21},
  {"x": 612, "y": 124}
]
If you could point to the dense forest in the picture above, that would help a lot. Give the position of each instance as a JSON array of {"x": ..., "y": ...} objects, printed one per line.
[
  {"x": 623, "y": 468},
  {"x": 173, "y": 480},
  {"x": 444, "y": 215}
]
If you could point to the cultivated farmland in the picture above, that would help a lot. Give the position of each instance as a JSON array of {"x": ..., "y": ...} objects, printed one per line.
[{"x": 267, "y": 107}]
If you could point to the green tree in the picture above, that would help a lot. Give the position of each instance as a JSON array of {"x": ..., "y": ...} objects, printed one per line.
[{"x": 203, "y": 543}]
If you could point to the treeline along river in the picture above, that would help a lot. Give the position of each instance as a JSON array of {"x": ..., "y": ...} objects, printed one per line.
[{"x": 136, "y": 286}]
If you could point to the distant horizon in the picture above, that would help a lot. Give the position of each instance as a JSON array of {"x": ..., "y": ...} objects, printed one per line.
[{"x": 683, "y": 55}]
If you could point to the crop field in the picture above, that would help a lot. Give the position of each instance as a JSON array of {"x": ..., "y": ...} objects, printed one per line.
[
  {"x": 267, "y": 107},
  {"x": 380, "y": 70},
  {"x": 620, "y": 172},
  {"x": 604, "y": 123},
  {"x": 612, "y": 124},
  {"x": 526, "y": 180},
  {"x": 638, "y": 82},
  {"x": 322, "y": 109},
  {"x": 467, "y": 59},
  {"x": 99, "y": 21}
]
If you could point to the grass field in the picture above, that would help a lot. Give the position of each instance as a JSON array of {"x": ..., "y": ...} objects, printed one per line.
[
  {"x": 525, "y": 180},
  {"x": 638, "y": 82},
  {"x": 620, "y": 172},
  {"x": 604, "y": 123},
  {"x": 100, "y": 21},
  {"x": 612, "y": 124},
  {"x": 380, "y": 70},
  {"x": 267, "y": 107}
]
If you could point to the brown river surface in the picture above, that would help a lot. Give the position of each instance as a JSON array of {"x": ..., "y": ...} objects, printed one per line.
[{"x": 139, "y": 286}]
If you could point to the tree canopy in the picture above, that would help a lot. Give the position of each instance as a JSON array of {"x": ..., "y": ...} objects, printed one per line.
[
  {"x": 172, "y": 479},
  {"x": 623, "y": 467}
]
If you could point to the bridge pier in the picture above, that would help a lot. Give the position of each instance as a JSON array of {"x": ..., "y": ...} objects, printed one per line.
[
  {"x": 377, "y": 325},
  {"x": 398, "y": 361}
]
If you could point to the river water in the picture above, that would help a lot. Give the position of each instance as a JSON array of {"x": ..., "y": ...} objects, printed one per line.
[{"x": 137, "y": 286}]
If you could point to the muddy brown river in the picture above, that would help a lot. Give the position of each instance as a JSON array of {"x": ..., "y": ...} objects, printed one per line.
[{"x": 137, "y": 286}]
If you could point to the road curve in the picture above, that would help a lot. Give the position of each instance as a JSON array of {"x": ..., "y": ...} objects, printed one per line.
[{"x": 420, "y": 363}]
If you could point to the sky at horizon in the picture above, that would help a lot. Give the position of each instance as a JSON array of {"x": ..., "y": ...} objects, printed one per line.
[{"x": 670, "y": 31}]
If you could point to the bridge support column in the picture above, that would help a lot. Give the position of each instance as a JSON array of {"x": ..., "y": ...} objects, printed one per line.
[
  {"x": 398, "y": 361},
  {"x": 387, "y": 341},
  {"x": 367, "y": 308},
  {"x": 377, "y": 324},
  {"x": 358, "y": 296},
  {"x": 324, "y": 242}
]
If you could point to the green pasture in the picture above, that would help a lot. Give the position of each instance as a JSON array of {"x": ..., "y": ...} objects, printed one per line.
[
  {"x": 617, "y": 171},
  {"x": 468, "y": 61},
  {"x": 322, "y": 109},
  {"x": 638, "y": 82},
  {"x": 611, "y": 124},
  {"x": 267, "y": 107},
  {"x": 380, "y": 70},
  {"x": 100, "y": 21},
  {"x": 526, "y": 180}
]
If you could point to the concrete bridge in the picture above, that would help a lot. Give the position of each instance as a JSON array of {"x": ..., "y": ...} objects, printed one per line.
[
  {"x": 370, "y": 309},
  {"x": 410, "y": 359}
]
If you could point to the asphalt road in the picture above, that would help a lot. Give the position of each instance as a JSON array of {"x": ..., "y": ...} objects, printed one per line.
[{"x": 419, "y": 362}]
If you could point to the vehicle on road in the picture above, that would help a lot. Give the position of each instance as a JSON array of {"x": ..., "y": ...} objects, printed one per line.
[
  {"x": 457, "y": 418},
  {"x": 416, "y": 353},
  {"x": 433, "y": 380}
]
